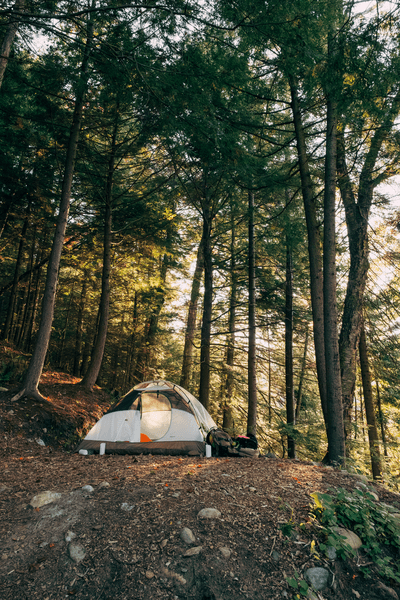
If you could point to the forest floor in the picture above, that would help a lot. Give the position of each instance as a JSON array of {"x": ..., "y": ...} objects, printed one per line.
[{"x": 124, "y": 536}]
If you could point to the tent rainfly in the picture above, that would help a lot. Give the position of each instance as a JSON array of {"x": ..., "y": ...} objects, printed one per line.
[{"x": 155, "y": 417}]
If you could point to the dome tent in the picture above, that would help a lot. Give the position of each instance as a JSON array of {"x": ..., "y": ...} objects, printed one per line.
[{"x": 155, "y": 417}]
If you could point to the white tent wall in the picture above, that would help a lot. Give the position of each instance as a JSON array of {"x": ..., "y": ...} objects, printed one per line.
[{"x": 121, "y": 426}]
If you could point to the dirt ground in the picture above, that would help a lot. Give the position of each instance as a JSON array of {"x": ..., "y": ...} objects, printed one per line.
[{"x": 122, "y": 539}]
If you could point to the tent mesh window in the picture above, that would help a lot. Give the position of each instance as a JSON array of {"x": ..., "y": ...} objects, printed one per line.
[{"x": 156, "y": 415}]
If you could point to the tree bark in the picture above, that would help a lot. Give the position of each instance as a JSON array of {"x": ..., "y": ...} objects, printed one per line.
[
  {"x": 251, "y": 370},
  {"x": 227, "y": 418},
  {"x": 30, "y": 384},
  {"x": 290, "y": 411},
  {"x": 79, "y": 327},
  {"x": 64, "y": 331},
  {"x": 205, "y": 351},
  {"x": 369, "y": 408},
  {"x": 9, "y": 38},
  {"x": 335, "y": 431},
  {"x": 13, "y": 293},
  {"x": 302, "y": 375},
  {"x": 357, "y": 212},
  {"x": 24, "y": 322},
  {"x": 314, "y": 250},
  {"x": 381, "y": 420},
  {"x": 187, "y": 363}
]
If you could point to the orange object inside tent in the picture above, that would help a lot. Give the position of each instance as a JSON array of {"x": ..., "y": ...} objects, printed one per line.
[{"x": 144, "y": 438}]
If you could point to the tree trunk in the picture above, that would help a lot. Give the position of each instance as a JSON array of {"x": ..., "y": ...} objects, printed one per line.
[
  {"x": 357, "y": 229},
  {"x": 31, "y": 320},
  {"x": 79, "y": 327},
  {"x": 302, "y": 376},
  {"x": 335, "y": 431},
  {"x": 24, "y": 323},
  {"x": 357, "y": 215},
  {"x": 31, "y": 381},
  {"x": 64, "y": 331},
  {"x": 269, "y": 379},
  {"x": 369, "y": 408},
  {"x": 116, "y": 367},
  {"x": 93, "y": 371},
  {"x": 227, "y": 422},
  {"x": 142, "y": 369},
  {"x": 314, "y": 250},
  {"x": 187, "y": 363},
  {"x": 251, "y": 370},
  {"x": 290, "y": 413},
  {"x": 131, "y": 358},
  {"x": 204, "y": 388},
  {"x": 9, "y": 38},
  {"x": 13, "y": 293},
  {"x": 381, "y": 420}
]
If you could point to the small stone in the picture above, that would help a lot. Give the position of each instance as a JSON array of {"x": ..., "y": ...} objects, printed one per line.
[
  {"x": 10, "y": 412},
  {"x": 226, "y": 553},
  {"x": 69, "y": 536},
  {"x": 270, "y": 455},
  {"x": 373, "y": 494},
  {"x": 127, "y": 507},
  {"x": 76, "y": 552},
  {"x": 275, "y": 556},
  {"x": 193, "y": 551},
  {"x": 318, "y": 577},
  {"x": 252, "y": 489},
  {"x": 209, "y": 513},
  {"x": 363, "y": 478},
  {"x": 44, "y": 498},
  {"x": 150, "y": 574},
  {"x": 40, "y": 442},
  {"x": 350, "y": 537},
  {"x": 187, "y": 536},
  {"x": 104, "y": 484},
  {"x": 87, "y": 488},
  {"x": 163, "y": 544},
  {"x": 331, "y": 553}
]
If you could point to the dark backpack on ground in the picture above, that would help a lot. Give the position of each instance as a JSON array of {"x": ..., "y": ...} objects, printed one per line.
[
  {"x": 220, "y": 442},
  {"x": 246, "y": 445},
  {"x": 223, "y": 445},
  {"x": 247, "y": 441}
]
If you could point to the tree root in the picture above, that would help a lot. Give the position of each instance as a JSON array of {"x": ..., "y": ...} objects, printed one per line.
[{"x": 31, "y": 395}]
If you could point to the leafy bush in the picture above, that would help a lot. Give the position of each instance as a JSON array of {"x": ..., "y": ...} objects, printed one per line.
[{"x": 374, "y": 522}]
